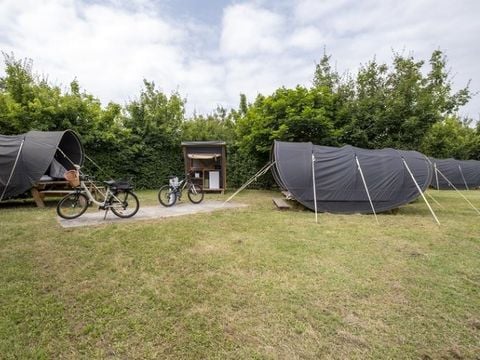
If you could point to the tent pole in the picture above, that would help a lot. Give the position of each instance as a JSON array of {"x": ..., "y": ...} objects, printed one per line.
[
  {"x": 420, "y": 191},
  {"x": 260, "y": 172},
  {"x": 13, "y": 170},
  {"x": 314, "y": 188},
  {"x": 366, "y": 188},
  {"x": 459, "y": 192},
  {"x": 436, "y": 175},
  {"x": 463, "y": 177},
  {"x": 88, "y": 158},
  {"x": 65, "y": 156}
]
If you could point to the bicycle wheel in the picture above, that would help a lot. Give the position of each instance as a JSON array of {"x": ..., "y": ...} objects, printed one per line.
[
  {"x": 195, "y": 193},
  {"x": 167, "y": 196},
  {"x": 125, "y": 204},
  {"x": 72, "y": 206}
]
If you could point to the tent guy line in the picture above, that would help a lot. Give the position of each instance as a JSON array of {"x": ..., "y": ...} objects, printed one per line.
[
  {"x": 420, "y": 191},
  {"x": 463, "y": 196},
  {"x": 366, "y": 188}
]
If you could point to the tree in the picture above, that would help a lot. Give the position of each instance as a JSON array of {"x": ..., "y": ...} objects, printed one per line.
[
  {"x": 451, "y": 138},
  {"x": 396, "y": 107},
  {"x": 216, "y": 126},
  {"x": 154, "y": 123},
  {"x": 155, "y": 116}
]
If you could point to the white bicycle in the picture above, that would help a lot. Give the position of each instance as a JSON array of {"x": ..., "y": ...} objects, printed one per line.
[{"x": 119, "y": 197}]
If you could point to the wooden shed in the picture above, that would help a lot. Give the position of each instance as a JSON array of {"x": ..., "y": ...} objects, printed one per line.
[{"x": 207, "y": 163}]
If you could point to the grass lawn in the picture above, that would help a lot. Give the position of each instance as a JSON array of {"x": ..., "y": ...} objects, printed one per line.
[{"x": 241, "y": 284}]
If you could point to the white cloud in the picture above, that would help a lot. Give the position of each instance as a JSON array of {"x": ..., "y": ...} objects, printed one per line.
[
  {"x": 257, "y": 46},
  {"x": 359, "y": 30},
  {"x": 307, "y": 38},
  {"x": 312, "y": 11},
  {"x": 108, "y": 49},
  {"x": 248, "y": 29}
]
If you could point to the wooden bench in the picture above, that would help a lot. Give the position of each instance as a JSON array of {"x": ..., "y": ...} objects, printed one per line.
[
  {"x": 281, "y": 204},
  {"x": 57, "y": 188},
  {"x": 49, "y": 188}
]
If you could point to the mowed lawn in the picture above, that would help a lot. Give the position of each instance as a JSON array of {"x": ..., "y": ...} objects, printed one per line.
[{"x": 241, "y": 284}]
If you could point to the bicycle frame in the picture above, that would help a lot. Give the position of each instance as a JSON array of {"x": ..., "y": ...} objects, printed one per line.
[
  {"x": 83, "y": 188},
  {"x": 181, "y": 185}
]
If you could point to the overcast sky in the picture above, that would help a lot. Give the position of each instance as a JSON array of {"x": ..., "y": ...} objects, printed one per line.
[{"x": 211, "y": 51}]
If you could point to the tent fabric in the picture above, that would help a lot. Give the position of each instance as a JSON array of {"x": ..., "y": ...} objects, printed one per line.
[
  {"x": 56, "y": 170},
  {"x": 463, "y": 174},
  {"x": 35, "y": 157},
  {"x": 338, "y": 183}
]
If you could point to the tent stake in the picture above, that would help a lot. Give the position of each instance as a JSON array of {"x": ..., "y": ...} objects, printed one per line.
[
  {"x": 314, "y": 188},
  {"x": 366, "y": 188},
  {"x": 463, "y": 177},
  {"x": 13, "y": 170},
  {"x": 260, "y": 172},
  {"x": 459, "y": 192},
  {"x": 420, "y": 191}
]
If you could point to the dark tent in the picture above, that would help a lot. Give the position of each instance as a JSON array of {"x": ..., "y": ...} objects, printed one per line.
[
  {"x": 25, "y": 158},
  {"x": 338, "y": 180},
  {"x": 463, "y": 174}
]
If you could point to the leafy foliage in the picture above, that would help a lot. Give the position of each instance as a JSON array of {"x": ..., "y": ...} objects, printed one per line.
[
  {"x": 381, "y": 107},
  {"x": 451, "y": 138},
  {"x": 402, "y": 105}
]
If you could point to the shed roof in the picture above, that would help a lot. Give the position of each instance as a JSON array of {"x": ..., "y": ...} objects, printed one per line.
[{"x": 204, "y": 143}]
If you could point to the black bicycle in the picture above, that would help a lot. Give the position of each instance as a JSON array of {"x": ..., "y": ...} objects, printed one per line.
[{"x": 169, "y": 194}]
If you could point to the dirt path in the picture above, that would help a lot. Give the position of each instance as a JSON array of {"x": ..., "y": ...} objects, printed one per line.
[{"x": 148, "y": 213}]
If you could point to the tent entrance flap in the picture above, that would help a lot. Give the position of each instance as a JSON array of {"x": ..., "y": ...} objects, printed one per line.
[{"x": 32, "y": 158}]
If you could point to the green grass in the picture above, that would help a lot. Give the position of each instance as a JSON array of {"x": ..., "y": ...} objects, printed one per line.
[{"x": 241, "y": 284}]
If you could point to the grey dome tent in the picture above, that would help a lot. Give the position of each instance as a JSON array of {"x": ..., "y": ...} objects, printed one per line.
[
  {"x": 349, "y": 179},
  {"x": 462, "y": 174},
  {"x": 25, "y": 158}
]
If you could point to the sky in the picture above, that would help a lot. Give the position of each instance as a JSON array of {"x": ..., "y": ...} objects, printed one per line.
[{"x": 211, "y": 51}]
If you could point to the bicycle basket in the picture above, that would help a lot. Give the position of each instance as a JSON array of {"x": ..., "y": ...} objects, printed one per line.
[
  {"x": 73, "y": 178},
  {"x": 173, "y": 181}
]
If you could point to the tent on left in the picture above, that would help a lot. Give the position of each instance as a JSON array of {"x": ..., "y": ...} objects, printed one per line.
[{"x": 25, "y": 158}]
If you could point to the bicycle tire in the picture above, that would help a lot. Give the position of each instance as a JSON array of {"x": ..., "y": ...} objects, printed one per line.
[
  {"x": 167, "y": 196},
  {"x": 195, "y": 193},
  {"x": 77, "y": 203},
  {"x": 125, "y": 204}
]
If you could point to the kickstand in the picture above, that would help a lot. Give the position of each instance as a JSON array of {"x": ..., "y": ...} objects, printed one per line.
[{"x": 106, "y": 212}]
